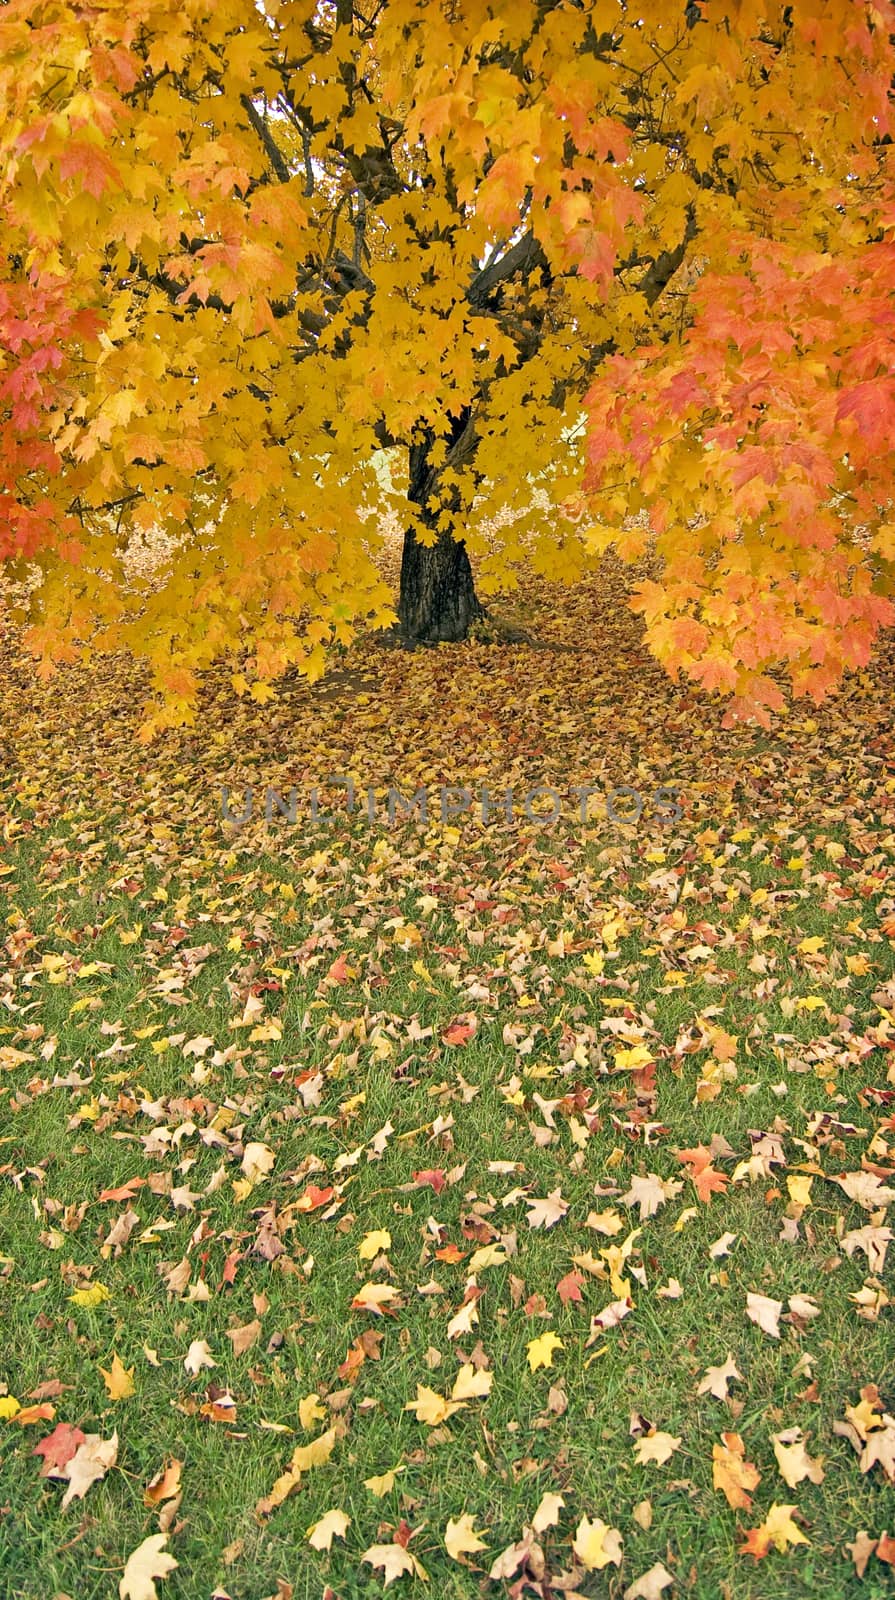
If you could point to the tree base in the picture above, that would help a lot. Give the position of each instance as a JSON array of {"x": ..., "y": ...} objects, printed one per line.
[{"x": 438, "y": 603}]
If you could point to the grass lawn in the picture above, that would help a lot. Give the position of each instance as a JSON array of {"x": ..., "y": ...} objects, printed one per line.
[{"x": 282, "y": 1102}]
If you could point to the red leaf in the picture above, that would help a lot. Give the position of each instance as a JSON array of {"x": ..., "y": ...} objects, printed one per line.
[
  {"x": 125, "y": 1192},
  {"x": 433, "y": 1176},
  {"x": 58, "y": 1447},
  {"x": 313, "y": 1197},
  {"x": 569, "y": 1287},
  {"x": 460, "y": 1031}
]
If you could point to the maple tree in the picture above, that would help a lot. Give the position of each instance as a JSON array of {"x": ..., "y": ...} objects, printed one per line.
[{"x": 246, "y": 248}]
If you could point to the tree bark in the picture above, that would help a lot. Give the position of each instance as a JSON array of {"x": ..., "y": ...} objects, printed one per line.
[{"x": 437, "y": 599}]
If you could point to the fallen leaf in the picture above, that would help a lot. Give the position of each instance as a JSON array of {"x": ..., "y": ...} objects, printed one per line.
[
  {"x": 197, "y": 1357},
  {"x": 165, "y": 1485},
  {"x": 547, "y": 1514},
  {"x": 257, "y": 1161},
  {"x": 310, "y": 1410},
  {"x": 541, "y": 1350},
  {"x": 861, "y": 1549},
  {"x": 332, "y": 1525},
  {"x": 148, "y": 1562},
  {"x": 596, "y": 1545},
  {"x": 655, "y": 1447},
  {"x": 373, "y": 1243},
  {"x": 717, "y": 1379},
  {"x": 58, "y": 1448},
  {"x": 546, "y": 1213},
  {"x": 90, "y": 1462},
  {"x": 732, "y": 1473},
  {"x": 243, "y": 1338},
  {"x": 778, "y": 1529},
  {"x": 471, "y": 1384},
  {"x": 119, "y": 1380},
  {"x": 394, "y": 1560},
  {"x": 460, "y": 1537},
  {"x": 382, "y": 1483},
  {"x": 432, "y": 1408},
  {"x": 651, "y": 1586},
  {"x": 305, "y": 1456},
  {"x": 793, "y": 1461},
  {"x": 765, "y": 1313}
]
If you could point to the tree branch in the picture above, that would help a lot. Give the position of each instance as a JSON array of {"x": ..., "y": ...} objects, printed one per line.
[{"x": 274, "y": 154}]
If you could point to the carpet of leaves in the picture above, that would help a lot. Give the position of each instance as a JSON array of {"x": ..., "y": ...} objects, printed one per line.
[{"x": 477, "y": 1207}]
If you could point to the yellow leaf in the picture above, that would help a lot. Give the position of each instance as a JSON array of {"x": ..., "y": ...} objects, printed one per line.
[
  {"x": 460, "y": 1537},
  {"x": 373, "y": 1296},
  {"x": 310, "y": 1410},
  {"x": 383, "y": 1483},
  {"x": 332, "y": 1525},
  {"x": 470, "y": 1384},
  {"x": 373, "y": 1243},
  {"x": 655, "y": 1447},
  {"x": 148, "y": 1562},
  {"x": 394, "y": 1560},
  {"x": 305, "y": 1456},
  {"x": 547, "y": 1514},
  {"x": 92, "y": 1296},
  {"x": 541, "y": 1350},
  {"x": 799, "y": 1188},
  {"x": 596, "y": 1545},
  {"x": 257, "y": 1161},
  {"x": 432, "y": 1408},
  {"x": 119, "y": 1380}
]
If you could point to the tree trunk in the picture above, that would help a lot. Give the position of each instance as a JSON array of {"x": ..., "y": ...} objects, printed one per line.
[{"x": 437, "y": 601}]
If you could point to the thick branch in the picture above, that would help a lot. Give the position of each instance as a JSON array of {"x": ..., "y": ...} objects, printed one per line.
[{"x": 274, "y": 154}]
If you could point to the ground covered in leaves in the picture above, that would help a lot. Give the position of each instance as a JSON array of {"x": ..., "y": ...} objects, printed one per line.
[{"x": 483, "y": 1207}]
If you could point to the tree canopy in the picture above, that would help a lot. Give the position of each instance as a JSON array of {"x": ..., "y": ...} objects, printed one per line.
[{"x": 245, "y": 247}]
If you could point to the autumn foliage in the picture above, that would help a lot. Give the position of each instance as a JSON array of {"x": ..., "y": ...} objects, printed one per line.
[{"x": 244, "y": 249}]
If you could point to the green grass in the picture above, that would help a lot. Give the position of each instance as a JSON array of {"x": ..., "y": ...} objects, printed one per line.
[{"x": 63, "y": 1143}]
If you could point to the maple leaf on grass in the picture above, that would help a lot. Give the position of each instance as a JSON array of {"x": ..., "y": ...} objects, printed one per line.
[
  {"x": 149, "y": 1561},
  {"x": 375, "y": 1298},
  {"x": 394, "y": 1560},
  {"x": 765, "y": 1313},
  {"x": 382, "y": 1483},
  {"x": 471, "y": 1384},
  {"x": 305, "y": 1456},
  {"x": 655, "y": 1447},
  {"x": 90, "y": 1462},
  {"x": 861, "y": 1549},
  {"x": 431, "y": 1407},
  {"x": 778, "y": 1531},
  {"x": 119, "y": 1380},
  {"x": 165, "y": 1485},
  {"x": 548, "y": 1212},
  {"x": 332, "y": 1525},
  {"x": 461, "y": 1538},
  {"x": 547, "y": 1513},
  {"x": 58, "y": 1448},
  {"x": 732, "y": 1474},
  {"x": 377, "y": 1241},
  {"x": 651, "y": 1586},
  {"x": 705, "y": 1178},
  {"x": 197, "y": 1357},
  {"x": 541, "y": 1350},
  {"x": 717, "y": 1380},
  {"x": 793, "y": 1461},
  {"x": 597, "y": 1545},
  {"x": 242, "y": 1339}
]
